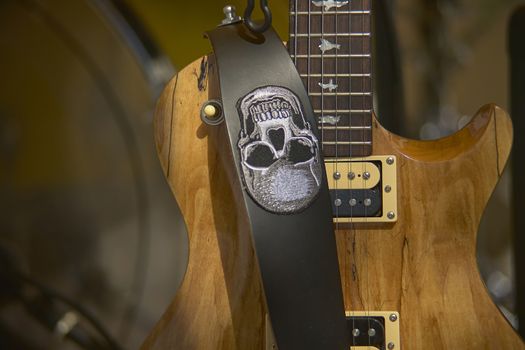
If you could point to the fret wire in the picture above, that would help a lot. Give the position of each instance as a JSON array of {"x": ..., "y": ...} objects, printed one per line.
[
  {"x": 336, "y": 75},
  {"x": 317, "y": 13},
  {"x": 336, "y": 56},
  {"x": 347, "y": 127},
  {"x": 322, "y": 35},
  {"x": 361, "y": 111},
  {"x": 349, "y": 143},
  {"x": 340, "y": 94}
]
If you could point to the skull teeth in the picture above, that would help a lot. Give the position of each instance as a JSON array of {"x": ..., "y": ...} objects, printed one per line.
[
  {"x": 261, "y": 117},
  {"x": 274, "y": 109}
]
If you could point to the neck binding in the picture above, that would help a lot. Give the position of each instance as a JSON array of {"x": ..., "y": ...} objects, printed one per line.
[{"x": 330, "y": 43}]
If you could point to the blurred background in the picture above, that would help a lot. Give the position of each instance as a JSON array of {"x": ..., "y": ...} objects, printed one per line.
[{"x": 87, "y": 220}]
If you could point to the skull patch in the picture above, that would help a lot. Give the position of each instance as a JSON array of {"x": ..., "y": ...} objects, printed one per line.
[{"x": 280, "y": 160}]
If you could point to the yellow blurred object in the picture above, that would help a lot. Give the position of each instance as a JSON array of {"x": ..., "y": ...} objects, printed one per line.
[{"x": 178, "y": 26}]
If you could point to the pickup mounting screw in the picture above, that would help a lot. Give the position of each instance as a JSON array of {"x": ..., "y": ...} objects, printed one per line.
[
  {"x": 366, "y": 175},
  {"x": 337, "y": 175},
  {"x": 388, "y": 188},
  {"x": 356, "y": 332},
  {"x": 391, "y": 215},
  {"x": 368, "y": 202},
  {"x": 391, "y": 345},
  {"x": 390, "y": 160},
  {"x": 351, "y": 175},
  {"x": 393, "y": 317}
]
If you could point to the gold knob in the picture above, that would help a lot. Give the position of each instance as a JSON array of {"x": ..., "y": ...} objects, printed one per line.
[{"x": 210, "y": 111}]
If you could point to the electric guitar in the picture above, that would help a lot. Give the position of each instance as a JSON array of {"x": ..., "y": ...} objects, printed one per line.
[{"x": 405, "y": 212}]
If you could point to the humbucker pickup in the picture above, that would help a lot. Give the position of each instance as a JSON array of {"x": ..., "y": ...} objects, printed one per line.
[
  {"x": 368, "y": 330},
  {"x": 373, "y": 330},
  {"x": 363, "y": 189}
]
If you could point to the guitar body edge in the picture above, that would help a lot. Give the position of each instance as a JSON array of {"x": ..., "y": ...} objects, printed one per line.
[
  {"x": 219, "y": 304},
  {"x": 423, "y": 266}
]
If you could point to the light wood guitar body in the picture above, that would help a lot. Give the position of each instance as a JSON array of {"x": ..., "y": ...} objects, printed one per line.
[{"x": 423, "y": 266}]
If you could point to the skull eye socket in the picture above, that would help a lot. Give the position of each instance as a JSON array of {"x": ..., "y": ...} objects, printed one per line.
[
  {"x": 300, "y": 150},
  {"x": 277, "y": 138},
  {"x": 259, "y": 155}
]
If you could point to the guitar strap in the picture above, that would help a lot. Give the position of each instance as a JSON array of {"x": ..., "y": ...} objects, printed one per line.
[{"x": 274, "y": 140}]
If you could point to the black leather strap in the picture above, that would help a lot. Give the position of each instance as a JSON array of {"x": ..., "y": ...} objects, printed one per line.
[{"x": 296, "y": 251}]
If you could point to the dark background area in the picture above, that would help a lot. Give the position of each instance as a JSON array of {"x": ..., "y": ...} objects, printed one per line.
[{"x": 85, "y": 209}]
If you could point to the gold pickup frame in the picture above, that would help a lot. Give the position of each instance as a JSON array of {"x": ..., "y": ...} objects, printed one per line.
[
  {"x": 391, "y": 319},
  {"x": 366, "y": 173},
  {"x": 392, "y": 337}
]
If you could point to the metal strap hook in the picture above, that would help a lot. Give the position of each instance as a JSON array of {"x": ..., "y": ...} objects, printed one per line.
[{"x": 267, "y": 17}]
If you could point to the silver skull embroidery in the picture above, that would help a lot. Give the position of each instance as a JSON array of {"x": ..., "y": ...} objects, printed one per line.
[{"x": 279, "y": 152}]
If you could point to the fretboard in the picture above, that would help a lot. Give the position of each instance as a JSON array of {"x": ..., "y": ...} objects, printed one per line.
[{"x": 330, "y": 43}]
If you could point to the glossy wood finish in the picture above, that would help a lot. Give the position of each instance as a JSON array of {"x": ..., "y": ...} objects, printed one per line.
[
  {"x": 219, "y": 305},
  {"x": 423, "y": 266}
]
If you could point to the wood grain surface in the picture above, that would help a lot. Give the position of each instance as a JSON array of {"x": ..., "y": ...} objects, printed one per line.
[{"x": 423, "y": 266}]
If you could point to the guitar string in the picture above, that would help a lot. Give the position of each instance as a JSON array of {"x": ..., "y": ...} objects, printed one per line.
[
  {"x": 336, "y": 109},
  {"x": 322, "y": 87},
  {"x": 319, "y": 122},
  {"x": 295, "y": 18},
  {"x": 308, "y": 55},
  {"x": 336, "y": 83},
  {"x": 322, "y": 72},
  {"x": 351, "y": 140},
  {"x": 336, "y": 115},
  {"x": 366, "y": 6},
  {"x": 296, "y": 43}
]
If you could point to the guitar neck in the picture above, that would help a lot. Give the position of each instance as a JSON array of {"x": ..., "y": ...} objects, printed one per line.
[{"x": 330, "y": 43}]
